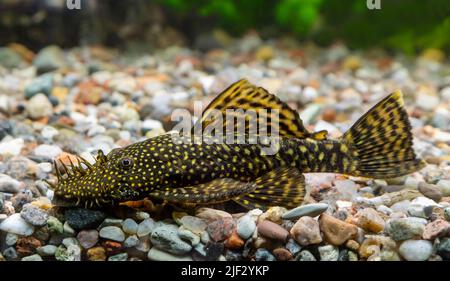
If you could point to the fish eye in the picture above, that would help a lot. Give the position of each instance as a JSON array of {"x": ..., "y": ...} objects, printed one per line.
[{"x": 126, "y": 163}]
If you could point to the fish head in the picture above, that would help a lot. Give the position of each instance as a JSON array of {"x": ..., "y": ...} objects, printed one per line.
[{"x": 112, "y": 179}]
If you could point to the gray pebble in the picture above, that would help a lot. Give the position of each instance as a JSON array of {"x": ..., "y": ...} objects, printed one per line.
[
  {"x": 54, "y": 225},
  {"x": 87, "y": 238},
  {"x": 11, "y": 239},
  {"x": 131, "y": 241},
  {"x": 34, "y": 257},
  {"x": 47, "y": 250},
  {"x": 145, "y": 227},
  {"x": 34, "y": 215},
  {"x": 188, "y": 236},
  {"x": 10, "y": 253},
  {"x": 112, "y": 233},
  {"x": 264, "y": 255},
  {"x": 416, "y": 250},
  {"x": 328, "y": 253},
  {"x": 157, "y": 255},
  {"x": 404, "y": 228},
  {"x": 166, "y": 238},
  {"x": 305, "y": 255},
  {"x": 311, "y": 210},
  {"x": 245, "y": 227},
  {"x": 129, "y": 226},
  {"x": 119, "y": 257}
]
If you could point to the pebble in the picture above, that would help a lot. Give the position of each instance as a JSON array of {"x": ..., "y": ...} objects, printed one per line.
[
  {"x": 245, "y": 227},
  {"x": 282, "y": 254},
  {"x": 70, "y": 241},
  {"x": 96, "y": 254},
  {"x": 112, "y": 233},
  {"x": 49, "y": 58},
  {"x": 293, "y": 247},
  {"x": 220, "y": 229},
  {"x": 444, "y": 185},
  {"x": 129, "y": 226},
  {"x": 369, "y": 220},
  {"x": 437, "y": 228},
  {"x": 39, "y": 106},
  {"x": 209, "y": 214},
  {"x": 306, "y": 231},
  {"x": 88, "y": 238},
  {"x": 194, "y": 224},
  {"x": 144, "y": 244},
  {"x": 443, "y": 248},
  {"x": 119, "y": 257},
  {"x": 272, "y": 230},
  {"x": 328, "y": 253},
  {"x": 40, "y": 85},
  {"x": 34, "y": 257},
  {"x": 415, "y": 250},
  {"x": 71, "y": 253},
  {"x": 131, "y": 241},
  {"x": 404, "y": 228},
  {"x": 10, "y": 253},
  {"x": 11, "y": 239},
  {"x": 166, "y": 238},
  {"x": 447, "y": 213},
  {"x": 47, "y": 151},
  {"x": 234, "y": 242},
  {"x": 68, "y": 229},
  {"x": 335, "y": 231},
  {"x": 47, "y": 250},
  {"x": 54, "y": 225},
  {"x": 83, "y": 218},
  {"x": 141, "y": 215},
  {"x": 311, "y": 210},
  {"x": 305, "y": 255},
  {"x": 17, "y": 225},
  {"x": 187, "y": 235},
  {"x": 264, "y": 255},
  {"x": 145, "y": 227},
  {"x": 431, "y": 191},
  {"x": 157, "y": 255},
  {"x": 8, "y": 184},
  {"x": 34, "y": 215}
]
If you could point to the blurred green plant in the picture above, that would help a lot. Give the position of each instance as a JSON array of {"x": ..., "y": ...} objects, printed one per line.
[{"x": 406, "y": 25}]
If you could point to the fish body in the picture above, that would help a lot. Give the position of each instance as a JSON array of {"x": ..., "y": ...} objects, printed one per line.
[{"x": 210, "y": 169}]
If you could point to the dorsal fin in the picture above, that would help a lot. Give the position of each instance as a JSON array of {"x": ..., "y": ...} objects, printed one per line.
[{"x": 269, "y": 109}]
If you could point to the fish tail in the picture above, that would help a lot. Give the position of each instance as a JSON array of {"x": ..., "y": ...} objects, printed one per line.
[{"x": 382, "y": 142}]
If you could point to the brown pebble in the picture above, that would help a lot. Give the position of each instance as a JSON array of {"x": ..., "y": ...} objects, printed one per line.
[
  {"x": 431, "y": 191},
  {"x": 370, "y": 220},
  {"x": 306, "y": 231},
  {"x": 96, "y": 254},
  {"x": 272, "y": 230},
  {"x": 234, "y": 242},
  {"x": 369, "y": 247},
  {"x": 27, "y": 245},
  {"x": 437, "y": 228},
  {"x": 329, "y": 114},
  {"x": 352, "y": 245},
  {"x": 221, "y": 229},
  {"x": 281, "y": 254},
  {"x": 335, "y": 231}
]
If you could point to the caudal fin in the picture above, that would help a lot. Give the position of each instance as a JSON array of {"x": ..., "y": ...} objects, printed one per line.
[{"x": 382, "y": 141}]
